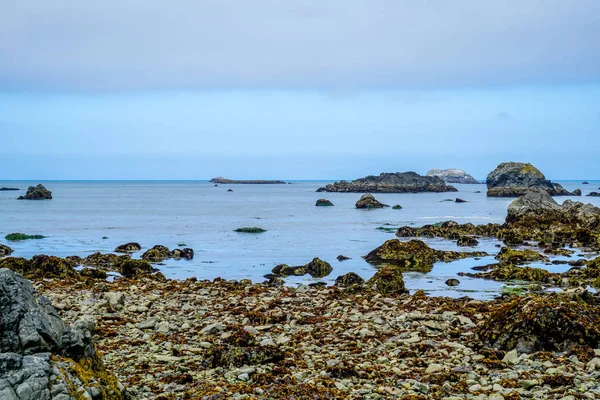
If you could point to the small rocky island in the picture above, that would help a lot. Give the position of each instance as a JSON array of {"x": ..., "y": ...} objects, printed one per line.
[
  {"x": 514, "y": 179},
  {"x": 7, "y": 189},
  {"x": 453, "y": 175},
  {"x": 387, "y": 182},
  {"x": 222, "y": 180},
  {"x": 38, "y": 192}
]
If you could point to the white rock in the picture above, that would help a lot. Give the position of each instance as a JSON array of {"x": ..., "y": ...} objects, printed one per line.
[{"x": 433, "y": 368}]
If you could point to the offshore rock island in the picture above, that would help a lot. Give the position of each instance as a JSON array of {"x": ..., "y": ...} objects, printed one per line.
[
  {"x": 398, "y": 182},
  {"x": 453, "y": 175},
  {"x": 225, "y": 181},
  {"x": 514, "y": 179}
]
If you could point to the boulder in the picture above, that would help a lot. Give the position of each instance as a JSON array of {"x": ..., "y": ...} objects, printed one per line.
[
  {"x": 323, "y": 203},
  {"x": 368, "y": 201},
  {"x": 130, "y": 247},
  {"x": 510, "y": 256},
  {"x": 41, "y": 267},
  {"x": 388, "y": 281},
  {"x": 130, "y": 268},
  {"x": 349, "y": 279},
  {"x": 342, "y": 257},
  {"x": 318, "y": 268},
  {"x": 467, "y": 241},
  {"x": 513, "y": 179},
  {"x": 38, "y": 192},
  {"x": 397, "y": 207},
  {"x": 452, "y": 282},
  {"x": 593, "y": 194},
  {"x": 285, "y": 270},
  {"x": 157, "y": 253},
  {"x": 40, "y": 357},
  {"x": 399, "y": 182},
  {"x": 453, "y": 175},
  {"x": 459, "y": 200},
  {"x": 185, "y": 253},
  {"x": 577, "y": 192},
  {"x": 5, "y": 250}
]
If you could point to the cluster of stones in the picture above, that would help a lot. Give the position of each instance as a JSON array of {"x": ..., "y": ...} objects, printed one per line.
[{"x": 157, "y": 253}]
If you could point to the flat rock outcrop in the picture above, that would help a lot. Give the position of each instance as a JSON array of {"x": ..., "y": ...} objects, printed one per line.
[
  {"x": 222, "y": 180},
  {"x": 514, "y": 179},
  {"x": 38, "y": 192},
  {"x": 6, "y": 189},
  {"x": 453, "y": 175},
  {"x": 398, "y": 182},
  {"x": 40, "y": 357}
]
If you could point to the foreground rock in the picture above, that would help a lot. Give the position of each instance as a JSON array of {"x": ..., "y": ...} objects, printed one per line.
[
  {"x": 514, "y": 179},
  {"x": 222, "y": 180},
  {"x": 5, "y": 250},
  {"x": 453, "y": 175},
  {"x": 41, "y": 358},
  {"x": 399, "y": 182},
  {"x": 38, "y": 192},
  {"x": 368, "y": 201},
  {"x": 317, "y": 268}
]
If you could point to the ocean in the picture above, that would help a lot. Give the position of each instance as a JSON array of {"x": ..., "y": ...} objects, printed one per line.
[{"x": 89, "y": 216}]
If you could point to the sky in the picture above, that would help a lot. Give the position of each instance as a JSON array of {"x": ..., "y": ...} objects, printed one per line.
[{"x": 267, "y": 89}]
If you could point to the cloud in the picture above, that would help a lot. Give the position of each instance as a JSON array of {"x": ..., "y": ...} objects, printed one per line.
[
  {"x": 503, "y": 116},
  {"x": 338, "y": 45}
]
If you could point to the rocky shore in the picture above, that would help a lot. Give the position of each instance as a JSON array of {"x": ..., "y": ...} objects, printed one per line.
[{"x": 399, "y": 182}]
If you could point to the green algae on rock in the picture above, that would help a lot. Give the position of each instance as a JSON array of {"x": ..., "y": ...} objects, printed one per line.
[
  {"x": 510, "y": 256},
  {"x": 130, "y": 268},
  {"x": 40, "y": 267},
  {"x": 157, "y": 253},
  {"x": 349, "y": 279},
  {"x": 22, "y": 236},
  {"x": 388, "y": 281},
  {"x": 318, "y": 268},
  {"x": 38, "y": 192},
  {"x": 130, "y": 247},
  {"x": 513, "y": 179}
]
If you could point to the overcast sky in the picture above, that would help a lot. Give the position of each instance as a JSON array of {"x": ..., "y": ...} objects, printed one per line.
[{"x": 296, "y": 89}]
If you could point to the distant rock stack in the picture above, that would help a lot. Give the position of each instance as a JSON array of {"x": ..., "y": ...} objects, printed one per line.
[{"x": 453, "y": 175}]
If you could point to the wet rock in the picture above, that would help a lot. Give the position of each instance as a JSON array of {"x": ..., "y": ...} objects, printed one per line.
[
  {"x": 397, "y": 207},
  {"x": 342, "y": 258},
  {"x": 459, "y": 200},
  {"x": 368, "y": 201},
  {"x": 185, "y": 253},
  {"x": 130, "y": 247},
  {"x": 399, "y": 182},
  {"x": 577, "y": 192},
  {"x": 38, "y": 192},
  {"x": 40, "y": 267},
  {"x": 6, "y": 189},
  {"x": 130, "y": 268},
  {"x": 318, "y": 268},
  {"x": 510, "y": 256},
  {"x": 286, "y": 270},
  {"x": 5, "y": 250},
  {"x": 157, "y": 253},
  {"x": 594, "y": 194},
  {"x": 513, "y": 179},
  {"x": 388, "y": 281},
  {"x": 323, "y": 203},
  {"x": 453, "y": 175},
  {"x": 467, "y": 241},
  {"x": 452, "y": 282},
  {"x": 349, "y": 279}
]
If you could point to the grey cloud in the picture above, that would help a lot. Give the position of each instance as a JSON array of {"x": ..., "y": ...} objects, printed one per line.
[{"x": 337, "y": 45}]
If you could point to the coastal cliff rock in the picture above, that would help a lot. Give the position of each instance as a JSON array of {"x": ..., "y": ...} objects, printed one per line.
[
  {"x": 452, "y": 175},
  {"x": 368, "y": 201},
  {"x": 514, "y": 179},
  {"x": 222, "y": 180},
  {"x": 399, "y": 182},
  {"x": 38, "y": 192},
  {"x": 42, "y": 359}
]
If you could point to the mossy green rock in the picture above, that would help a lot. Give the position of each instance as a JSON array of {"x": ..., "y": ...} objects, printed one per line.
[
  {"x": 40, "y": 267},
  {"x": 510, "y": 256},
  {"x": 21, "y": 236},
  {"x": 349, "y": 279},
  {"x": 157, "y": 253},
  {"x": 318, "y": 268},
  {"x": 128, "y": 247},
  {"x": 467, "y": 241},
  {"x": 388, "y": 281},
  {"x": 130, "y": 268},
  {"x": 38, "y": 192}
]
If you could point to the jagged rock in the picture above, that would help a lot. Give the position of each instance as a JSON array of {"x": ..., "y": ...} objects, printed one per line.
[
  {"x": 399, "y": 182},
  {"x": 157, "y": 253},
  {"x": 388, "y": 281},
  {"x": 318, "y": 268},
  {"x": 453, "y": 175},
  {"x": 42, "y": 359},
  {"x": 368, "y": 201},
  {"x": 38, "y": 192},
  {"x": 5, "y": 250},
  {"x": 323, "y": 203},
  {"x": 513, "y": 179},
  {"x": 349, "y": 279},
  {"x": 467, "y": 241},
  {"x": 130, "y": 247}
]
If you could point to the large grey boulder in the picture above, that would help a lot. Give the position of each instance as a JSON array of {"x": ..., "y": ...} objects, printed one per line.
[
  {"x": 453, "y": 175},
  {"x": 514, "y": 179},
  {"x": 40, "y": 358},
  {"x": 398, "y": 182}
]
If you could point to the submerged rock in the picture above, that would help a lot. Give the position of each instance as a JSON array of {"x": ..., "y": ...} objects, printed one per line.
[
  {"x": 222, "y": 180},
  {"x": 130, "y": 247},
  {"x": 342, "y": 258},
  {"x": 397, "y": 207},
  {"x": 399, "y": 182},
  {"x": 38, "y": 192},
  {"x": 323, "y": 203},
  {"x": 452, "y": 282},
  {"x": 593, "y": 194},
  {"x": 459, "y": 200},
  {"x": 368, "y": 201},
  {"x": 185, "y": 253},
  {"x": 453, "y": 175},
  {"x": 513, "y": 179},
  {"x": 6, "y": 189}
]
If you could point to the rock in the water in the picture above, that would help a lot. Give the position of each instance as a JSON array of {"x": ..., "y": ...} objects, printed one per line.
[
  {"x": 5, "y": 250},
  {"x": 130, "y": 247},
  {"x": 388, "y": 281},
  {"x": 185, "y": 253},
  {"x": 593, "y": 194},
  {"x": 157, "y": 253},
  {"x": 318, "y": 268},
  {"x": 342, "y": 258},
  {"x": 453, "y": 175},
  {"x": 42, "y": 359},
  {"x": 286, "y": 270},
  {"x": 467, "y": 241},
  {"x": 323, "y": 203},
  {"x": 510, "y": 256},
  {"x": 542, "y": 323},
  {"x": 6, "y": 189},
  {"x": 513, "y": 179},
  {"x": 452, "y": 282},
  {"x": 399, "y": 182},
  {"x": 130, "y": 268},
  {"x": 368, "y": 201},
  {"x": 585, "y": 183},
  {"x": 349, "y": 279},
  {"x": 577, "y": 192},
  {"x": 222, "y": 180},
  {"x": 38, "y": 192},
  {"x": 459, "y": 200},
  {"x": 397, "y": 207}
]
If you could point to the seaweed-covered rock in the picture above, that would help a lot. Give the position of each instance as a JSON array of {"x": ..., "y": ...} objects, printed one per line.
[
  {"x": 399, "y": 182},
  {"x": 323, "y": 203},
  {"x": 453, "y": 175},
  {"x": 130, "y": 247},
  {"x": 42, "y": 359},
  {"x": 342, "y": 257},
  {"x": 452, "y": 282},
  {"x": 513, "y": 179},
  {"x": 510, "y": 256},
  {"x": 5, "y": 250},
  {"x": 388, "y": 281},
  {"x": 542, "y": 323},
  {"x": 185, "y": 253},
  {"x": 397, "y": 207},
  {"x": 349, "y": 279},
  {"x": 105, "y": 261},
  {"x": 286, "y": 270},
  {"x": 130, "y": 268},
  {"x": 38, "y": 192},
  {"x": 318, "y": 268},
  {"x": 577, "y": 192},
  {"x": 41, "y": 267},
  {"x": 511, "y": 272},
  {"x": 368, "y": 201},
  {"x": 157, "y": 253},
  {"x": 21, "y": 236},
  {"x": 467, "y": 241}
]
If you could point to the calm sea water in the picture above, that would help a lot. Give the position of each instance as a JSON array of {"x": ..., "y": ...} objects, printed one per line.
[{"x": 204, "y": 216}]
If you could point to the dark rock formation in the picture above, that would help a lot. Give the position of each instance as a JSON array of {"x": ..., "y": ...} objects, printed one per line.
[
  {"x": 185, "y": 253},
  {"x": 594, "y": 194},
  {"x": 5, "y": 250},
  {"x": 453, "y": 175},
  {"x": 222, "y": 180},
  {"x": 388, "y": 281},
  {"x": 452, "y": 282},
  {"x": 250, "y": 229},
  {"x": 6, "y": 189},
  {"x": 41, "y": 267},
  {"x": 130, "y": 247},
  {"x": 585, "y": 183},
  {"x": 321, "y": 189},
  {"x": 130, "y": 268},
  {"x": 510, "y": 256},
  {"x": 577, "y": 192},
  {"x": 368, "y": 201},
  {"x": 42, "y": 359},
  {"x": 397, "y": 207},
  {"x": 38, "y": 192},
  {"x": 323, "y": 203},
  {"x": 513, "y": 179},
  {"x": 286, "y": 270},
  {"x": 399, "y": 182},
  {"x": 459, "y": 200},
  {"x": 318, "y": 268},
  {"x": 342, "y": 258},
  {"x": 467, "y": 241},
  {"x": 157, "y": 253},
  {"x": 349, "y": 279},
  {"x": 22, "y": 236}
]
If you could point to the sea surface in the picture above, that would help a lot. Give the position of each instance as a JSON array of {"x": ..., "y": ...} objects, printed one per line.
[{"x": 89, "y": 216}]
